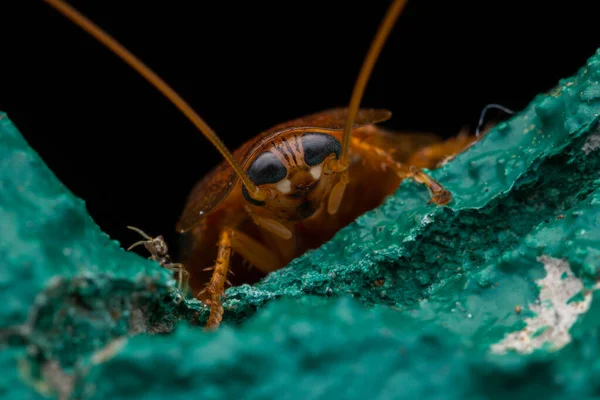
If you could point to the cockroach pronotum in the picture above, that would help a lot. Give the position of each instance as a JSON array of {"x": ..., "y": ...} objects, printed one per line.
[{"x": 294, "y": 186}]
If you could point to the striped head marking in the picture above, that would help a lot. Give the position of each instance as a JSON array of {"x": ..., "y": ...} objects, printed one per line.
[{"x": 293, "y": 169}]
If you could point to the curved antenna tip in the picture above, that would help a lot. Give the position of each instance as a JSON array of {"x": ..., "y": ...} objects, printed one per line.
[{"x": 484, "y": 111}]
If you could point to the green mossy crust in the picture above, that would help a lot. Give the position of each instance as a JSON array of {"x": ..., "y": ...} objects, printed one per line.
[{"x": 492, "y": 296}]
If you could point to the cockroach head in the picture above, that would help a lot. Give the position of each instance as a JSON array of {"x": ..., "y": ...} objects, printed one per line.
[{"x": 294, "y": 171}]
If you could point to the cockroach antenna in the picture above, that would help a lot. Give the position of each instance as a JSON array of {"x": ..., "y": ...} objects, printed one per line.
[
  {"x": 84, "y": 23},
  {"x": 291, "y": 198},
  {"x": 484, "y": 111}
]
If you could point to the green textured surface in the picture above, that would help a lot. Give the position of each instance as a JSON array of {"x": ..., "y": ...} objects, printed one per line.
[
  {"x": 522, "y": 231},
  {"x": 66, "y": 288}
]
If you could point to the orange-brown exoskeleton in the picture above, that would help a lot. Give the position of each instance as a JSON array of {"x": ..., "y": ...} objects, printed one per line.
[{"x": 294, "y": 186}]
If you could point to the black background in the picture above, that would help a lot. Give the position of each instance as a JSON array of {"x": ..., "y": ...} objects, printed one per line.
[{"x": 245, "y": 66}]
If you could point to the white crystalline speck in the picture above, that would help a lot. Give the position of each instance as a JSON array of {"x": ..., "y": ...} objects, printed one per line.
[
  {"x": 592, "y": 143},
  {"x": 554, "y": 314}
]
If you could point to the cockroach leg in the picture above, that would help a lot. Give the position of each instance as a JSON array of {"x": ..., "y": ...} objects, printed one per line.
[
  {"x": 438, "y": 154},
  {"x": 216, "y": 286},
  {"x": 273, "y": 226},
  {"x": 254, "y": 252},
  {"x": 377, "y": 155},
  {"x": 251, "y": 250},
  {"x": 439, "y": 195}
]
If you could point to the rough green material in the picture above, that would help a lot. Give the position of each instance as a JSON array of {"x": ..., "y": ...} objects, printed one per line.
[
  {"x": 65, "y": 287},
  {"x": 338, "y": 350},
  {"x": 492, "y": 296}
]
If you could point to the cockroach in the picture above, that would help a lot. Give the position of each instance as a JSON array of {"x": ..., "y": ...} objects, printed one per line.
[{"x": 291, "y": 188}]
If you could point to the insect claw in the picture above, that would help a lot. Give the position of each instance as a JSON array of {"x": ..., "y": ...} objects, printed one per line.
[
  {"x": 229, "y": 283},
  {"x": 231, "y": 272}
]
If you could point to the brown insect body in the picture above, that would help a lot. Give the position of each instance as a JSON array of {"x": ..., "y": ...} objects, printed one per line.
[
  {"x": 294, "y": 186},
  {"x": 296, "y": 210}
]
